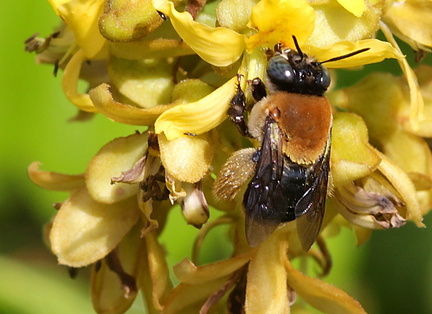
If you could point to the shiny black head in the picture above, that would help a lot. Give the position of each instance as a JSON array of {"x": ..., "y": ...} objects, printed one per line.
[{"x": 296, "y": 72}]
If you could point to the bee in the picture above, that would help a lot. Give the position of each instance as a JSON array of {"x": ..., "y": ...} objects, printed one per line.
[{"x": 290, "y": 170}]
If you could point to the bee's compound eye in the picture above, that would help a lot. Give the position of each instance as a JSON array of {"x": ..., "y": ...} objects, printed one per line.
[
  {"x": 279, "y": 71},
  {"x": 324, "y": 79}
]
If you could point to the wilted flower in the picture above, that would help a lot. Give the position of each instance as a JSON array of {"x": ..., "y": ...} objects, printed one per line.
[{"x": 149, "y": 64}]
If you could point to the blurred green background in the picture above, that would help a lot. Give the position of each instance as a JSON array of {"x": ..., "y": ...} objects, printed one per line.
[{"x": 392, "y": 273}]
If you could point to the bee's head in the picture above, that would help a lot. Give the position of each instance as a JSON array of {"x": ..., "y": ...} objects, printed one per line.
[{"x": 296, "y": 72}]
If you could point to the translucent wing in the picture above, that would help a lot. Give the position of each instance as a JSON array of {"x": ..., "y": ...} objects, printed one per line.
[
  {"x": 311, "y": 206},
  {"x": 264, "y": 199}
]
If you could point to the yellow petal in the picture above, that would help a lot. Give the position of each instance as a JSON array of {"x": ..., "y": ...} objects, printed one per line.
[
  {"x": 116, "y": 157},
  {"x": 335, "y": 23},
  {"x": 84, "y": 231},
  {"x": 82, "y": 17},
  {"x": 70, "y": 83},
  {"x": 416, "y": 99},
  {"x": 54, "y": 181},
  {"x": 378, "y": 51},
  {"x": 267, "y": 290},
  {"x": 411, "y": 20},
  {"x": 186, "y": 298},
  {"x": 218, "y": 46},
  {"x": 188, "y": 273},
  {"x": 57, "y": 3},
  {"x": 187, "y": 158},
  {"x": 123, "y": 113},
  {"x": 323, "y": 296},
  {"x": 356, "y": 7},
  {"x": 277, "y": 20},
  {"x": 197, "y": 117},
  {"x": 352, "y": 157}
]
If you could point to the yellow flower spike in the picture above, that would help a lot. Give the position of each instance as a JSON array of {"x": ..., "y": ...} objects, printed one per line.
[
  {"x": 323, "y": 296},
  {"x": 107, "y": 291},
  {"x": 356, "y": 7},
  {"x": 116, "y": 157},
  {"x": 267, "y": 290},
  {"x": 352, "y": 157},
  {"x": 54, "y": 181},
  {"x": 187, "y": 158},
  {"x": 378, "y": 51},
  {"x": 336, "y": 23},
  {"x": 82, "y": 17},
  {"x": 197, "y": 117},
  {"x": 411, "y": 21},
  {"x": 84, "y": 231},
  {"x": 277, "y": 20},
  {"x": 123, "y": 113},
  {"x": 404, "y": 186},
  {"x": 70, "y": 83},
  {"x": 218, "y": 46},
  {"x": 189, "y": 273}
]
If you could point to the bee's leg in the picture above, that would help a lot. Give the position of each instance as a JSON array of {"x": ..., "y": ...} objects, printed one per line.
[
  {"x": 237, "y": 109},
  {"x": 258, "y": 89}
]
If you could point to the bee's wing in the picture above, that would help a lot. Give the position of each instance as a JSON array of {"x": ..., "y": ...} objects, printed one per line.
[
  {"x": 264, "y": 199},
  {"x": 311, "y": 206}
]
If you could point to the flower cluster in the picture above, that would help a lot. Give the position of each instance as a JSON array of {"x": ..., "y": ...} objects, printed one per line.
[{"x": 172, "y": 69}]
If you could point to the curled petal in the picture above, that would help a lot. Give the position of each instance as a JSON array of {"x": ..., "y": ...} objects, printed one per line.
[
  {"x": 187, "y": 158},
  {"x": 197, "y": 117},
  {"x": 323, "y": 296},
  {"x": 378, "y": 51},
  {"x": 117, "y": 156},
  {"x": 70, "y": 83},
  {"x": 188, "y": 273},
  {"x": 82, "y": 17},
  {"x": 278, "y": 20},
  {"x": 184, "y": 297},
  {"x": 54, "y": 181},
  {"x": 218, "y": 46},
  {"x": 85, "y": 231},
  {"x": 123, "y": 113}
]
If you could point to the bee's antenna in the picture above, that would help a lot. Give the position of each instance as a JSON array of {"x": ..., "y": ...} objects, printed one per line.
[
  {"x": 345, "y": 56},
  {"x": 298, "y": 47}
]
